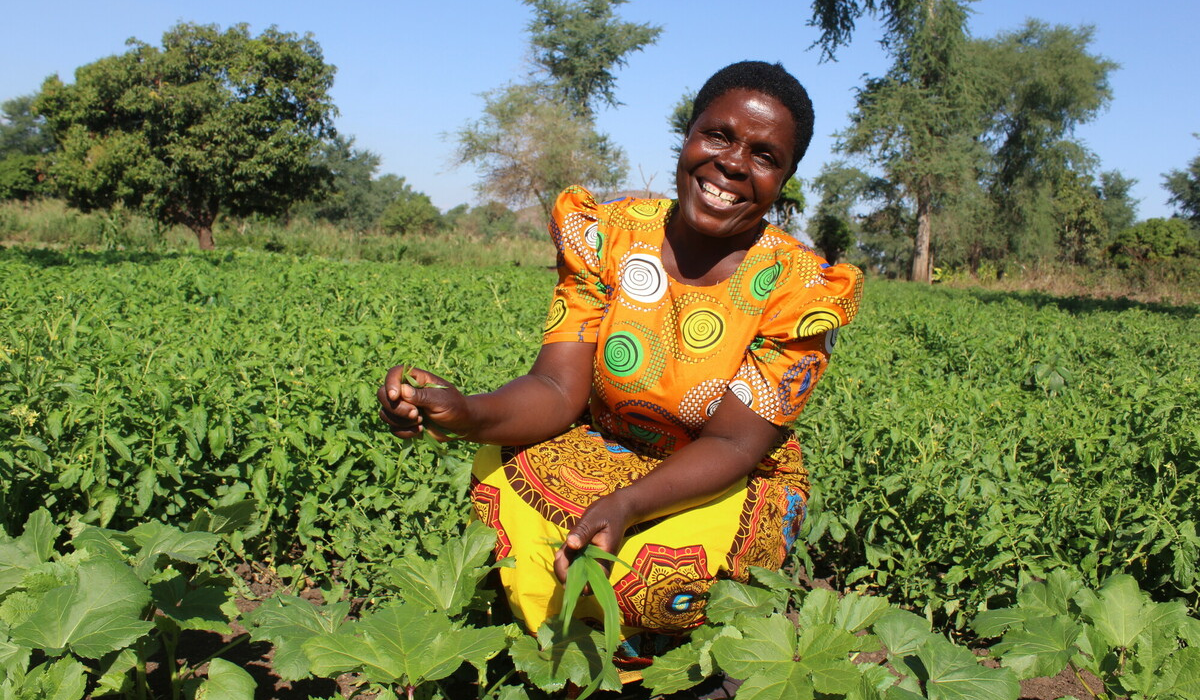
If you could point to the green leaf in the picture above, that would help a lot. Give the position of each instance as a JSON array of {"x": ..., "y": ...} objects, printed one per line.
[
  {"x": 727, "y": 599},
  {"x": 1180, "y": 676},
  {"x": 112, "y": 676},
  {"x": 956, "y": 674},
  {"x": 34, "y": 546},
  {"x": 98, "y": 614},
  {"x": 448, "y": 582},
  {"x": 13, "y": 658},
  {"x": 766, "y": 643},
  {"x": 993, "y": 623},
  {"x": 559, "y": 655},
  {"x": 287, "y": 622},
  {"x": 192, "y": 608},
  {"x": 824, "y": 650},
  {"x": 675, "y": 670},
  {"x": 902, "y": 632},
  {"x": 1119, "y": 611},
  {"x": 858, "y": 612},
  {"x": 1043, "y": 647},
  {"x": 403, "y": 643},
  {"x": 62, "y": 679},
  {"x": 224, "y": 519},
  {"x": 156, "y": 540},
  {"x": 780, "y": 683},
  {"x": 226, "y": 681}
]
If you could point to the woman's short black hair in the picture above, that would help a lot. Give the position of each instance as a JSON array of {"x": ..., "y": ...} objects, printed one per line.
[{"x": 770, "y": 79}]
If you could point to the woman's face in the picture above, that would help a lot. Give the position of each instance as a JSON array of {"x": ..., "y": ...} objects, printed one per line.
[{"x": 734, "y": 161}]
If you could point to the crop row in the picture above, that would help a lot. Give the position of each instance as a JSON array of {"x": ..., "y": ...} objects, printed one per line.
[{"x": 962, "y": 444}]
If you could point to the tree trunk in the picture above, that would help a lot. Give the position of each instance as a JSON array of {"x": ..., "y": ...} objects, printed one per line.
[
  {"x": 922, "y": 262},
  {"x": 204, "y": 237},
  {"x": 202, "y": 225}
]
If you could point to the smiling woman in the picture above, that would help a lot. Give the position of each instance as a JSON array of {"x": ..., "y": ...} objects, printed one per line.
[{"x": 683, "y": 339}]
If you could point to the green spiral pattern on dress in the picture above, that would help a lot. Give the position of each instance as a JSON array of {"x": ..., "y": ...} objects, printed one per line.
[
  {"x": 644, "y": 434},
  {"x": 623, "y": 354},
  {"x": 764, "y": 281}
]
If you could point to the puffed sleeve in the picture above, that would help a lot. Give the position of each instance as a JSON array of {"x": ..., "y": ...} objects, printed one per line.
[
  {"x": 581, "y": 295},
  {"x": 810, "y": 302}
]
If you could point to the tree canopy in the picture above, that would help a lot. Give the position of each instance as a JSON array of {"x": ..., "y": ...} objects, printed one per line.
[
  {"x": 530, "y": 147},
  {"x": 535, "y": 139},
  {"x": 1184, "y": 188},
  {"x": 213, "y": 121},
  {"x": 579, "y": 44}
]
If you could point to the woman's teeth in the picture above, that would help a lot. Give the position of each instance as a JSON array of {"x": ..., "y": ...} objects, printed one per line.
[{"x": 719, "y": 194}]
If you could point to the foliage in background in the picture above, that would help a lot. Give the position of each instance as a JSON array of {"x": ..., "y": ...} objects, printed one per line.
[
  {"x": 919, "y": 123},
  {"x": 24, "y": 145},
  {"x": 211, "y": 122},
  {"x": 578, "y": 43},
  {"x": 536, "y": 139},
  {"x": 1154, "y": 239},
  {"x": 528, "y": 147},
  {"x": 1184, "y": 188}
]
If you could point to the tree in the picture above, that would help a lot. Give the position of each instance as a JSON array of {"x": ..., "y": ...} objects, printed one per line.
[
  {"x": 1153, "y": 239},
  {"x": 534, "y": 140},
  {"x": 790, "y": 205},
  {"x": 409, "y": 211},
  {"x": 1184, "y": 188},
  {"x": 21, "y": 131},
  {"x": 836, "y": 18},
  {"x": 578, "y": 44},
  {"x": 1118, "y": 207},
  {"x": 529, "y": 147},
  {"x": 24, "y": 145},
  {"x": 211, "y": 122},
  {"x": 919, "y": 121}
]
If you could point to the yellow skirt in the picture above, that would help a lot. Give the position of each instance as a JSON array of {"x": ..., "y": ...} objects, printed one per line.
[{"x": 533, "y": 495}]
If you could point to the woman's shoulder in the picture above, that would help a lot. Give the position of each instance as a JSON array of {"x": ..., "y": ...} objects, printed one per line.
[{"x": 799, "y": 262}]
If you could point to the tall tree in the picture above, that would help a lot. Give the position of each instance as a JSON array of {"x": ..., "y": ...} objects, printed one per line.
[
  {"x": 213, "y": 121},
  {"x": 21, "y": 131},
  {"x": 24, "y": 145},
  {"x": 579, "y": 44},
  {"x": 1119, "y": 208},
  {"x": 919, "y": 122},
  {"x": 1184, "y": 188},
  {"x": 1040, "y": 83},
  {"x": 529, "y": 147},
  {"x": 535, "y": 139}
]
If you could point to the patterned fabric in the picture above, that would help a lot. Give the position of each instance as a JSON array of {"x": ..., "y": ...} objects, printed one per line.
[{"x": 665, "y": 354}]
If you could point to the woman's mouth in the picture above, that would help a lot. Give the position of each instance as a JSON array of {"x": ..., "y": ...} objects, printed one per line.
[{"x": 718, "y": 195}]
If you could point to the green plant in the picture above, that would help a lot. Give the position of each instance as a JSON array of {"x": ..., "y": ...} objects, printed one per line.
[
  {"x": 1138, "y": 648},
  {"x": 95, "y": 615}
]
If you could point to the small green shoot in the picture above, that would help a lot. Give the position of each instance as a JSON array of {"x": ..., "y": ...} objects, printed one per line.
[
  {"x": 410, "y": 380},
  {"x": 586, "y": 570}
]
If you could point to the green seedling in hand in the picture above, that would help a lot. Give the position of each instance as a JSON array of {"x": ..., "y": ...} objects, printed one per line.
[
  {"x": 584, "y": 571},
  {"x": 410, "y": 380}
]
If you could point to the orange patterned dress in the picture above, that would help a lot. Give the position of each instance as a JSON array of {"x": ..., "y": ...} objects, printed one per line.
[{"x": 665, "y": 354}]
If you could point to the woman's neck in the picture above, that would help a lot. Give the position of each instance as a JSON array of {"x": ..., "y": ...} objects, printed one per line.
[{"x": 700, "y": 260}]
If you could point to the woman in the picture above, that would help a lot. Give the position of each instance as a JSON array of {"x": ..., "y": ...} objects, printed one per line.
[{"x": 682, "y": 340}]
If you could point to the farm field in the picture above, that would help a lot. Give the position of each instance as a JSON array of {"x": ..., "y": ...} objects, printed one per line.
[{"x": 965, "y": 446}]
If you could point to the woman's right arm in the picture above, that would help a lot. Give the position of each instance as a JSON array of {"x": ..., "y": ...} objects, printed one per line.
[{"x": 530, "y": 408}]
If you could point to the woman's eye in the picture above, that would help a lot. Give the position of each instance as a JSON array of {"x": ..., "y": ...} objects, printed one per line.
[
  {"x": 765, "y": 158},
  {"x": 717, "y": 137}
]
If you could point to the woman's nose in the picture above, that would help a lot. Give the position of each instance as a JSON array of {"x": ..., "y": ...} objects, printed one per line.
[{"x": 733, "y": 159}]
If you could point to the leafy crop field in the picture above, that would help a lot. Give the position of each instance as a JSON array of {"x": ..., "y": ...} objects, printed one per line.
[{"x": 966, "y": 446}]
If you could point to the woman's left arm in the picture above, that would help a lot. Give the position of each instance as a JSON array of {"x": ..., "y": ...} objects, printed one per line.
[{"x": 734, "y": 440}]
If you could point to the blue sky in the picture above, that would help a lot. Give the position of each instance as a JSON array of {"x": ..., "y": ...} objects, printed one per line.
[{"x": 410, "y": 74}]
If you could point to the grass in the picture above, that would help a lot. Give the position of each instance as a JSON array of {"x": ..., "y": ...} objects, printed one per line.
[{"x": 51, "y": 224}]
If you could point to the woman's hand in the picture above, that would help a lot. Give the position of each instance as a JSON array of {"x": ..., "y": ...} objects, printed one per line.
[
  {"x": 602, "y": 524},
  {"x": 433, "y": 405}
]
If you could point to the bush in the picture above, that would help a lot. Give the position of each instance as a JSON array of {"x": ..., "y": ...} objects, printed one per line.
[{"x": 1153, "y": 239}]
